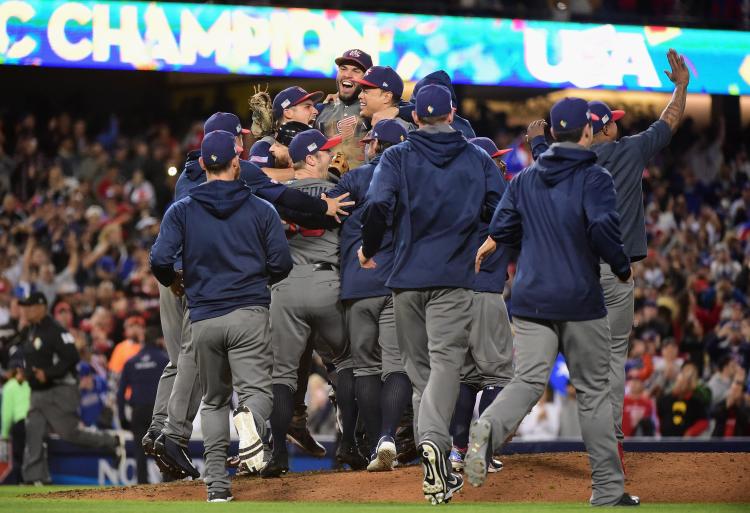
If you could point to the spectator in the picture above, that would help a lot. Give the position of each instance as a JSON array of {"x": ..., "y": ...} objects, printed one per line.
[
  {"x": 137, "y": 388},
  {"x": 93, "y": 402},
  {"x": 732, "y": 414},
  {"x": 638, "y": 411},
  {"x": 683, "y": 411},
  {"x": 16, "y": 399},
  {"x": 722, "y": 379}
]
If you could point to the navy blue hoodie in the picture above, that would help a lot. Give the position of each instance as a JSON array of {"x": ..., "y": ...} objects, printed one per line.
[
  {"x": 356, "y": 282},
  {"x": 436, "y": 185},
  {"x": 439, "y": 77},
  {"x": 234, "y": 246},
  {"x": 492, "y": 275},
  {"x": 561, "y": 210}
]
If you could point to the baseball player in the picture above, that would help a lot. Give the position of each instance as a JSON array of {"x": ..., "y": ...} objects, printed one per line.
[
  {"x": 489, "y": 361},
  {"x": 435, "y": 186},
  {"x": 306, "y": 309},
  {"x": 342, "y": 115},
  {"x": 383, "y": 389},
  {"x": 178, "y": 393},
  {"x": 561, "y": 212},
  {"x": 381, "y": 93},
  {"x": 438, "y": 77},
  {"x": 625, "y": 159},
  {"x": 293, "y": 104},
  {"x": 234, "y": 249}
]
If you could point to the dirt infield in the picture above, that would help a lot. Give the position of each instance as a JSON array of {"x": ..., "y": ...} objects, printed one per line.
[{"x": 558, "y": 477}]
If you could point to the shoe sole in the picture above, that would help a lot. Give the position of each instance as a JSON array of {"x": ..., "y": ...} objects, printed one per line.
[
  {"x": 320, "y": 452},
  {"x": 476, "y": 462},
  {"x": 251, "y": 446},
  {"x": 228, "y": 499},
  {"x": 384, "y": 459},
  {"x": 433, "y": 465}
]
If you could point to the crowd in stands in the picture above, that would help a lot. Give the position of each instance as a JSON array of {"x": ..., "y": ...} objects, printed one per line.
[{"x": 81, "y": 209}]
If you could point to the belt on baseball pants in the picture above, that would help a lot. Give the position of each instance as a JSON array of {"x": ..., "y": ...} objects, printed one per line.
[{"x": 324, "y": 267}]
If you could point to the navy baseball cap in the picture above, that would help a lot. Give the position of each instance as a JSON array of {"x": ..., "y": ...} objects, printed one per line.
[
  {"x": 387, "y": 130},
  {"x": 292, "y": 96},
  {"x": 433, "y": 100},
  {"x": 356, "y": 57},
  {"x": 382, "y": 77},
  {"x": 571, "y": 113},
  {"x": 35, "y": 298},
  {"x": 218, "y": 148},
  {"x": 605, "y": 114},
  {"x": 310, "y": 142},
  {"x": 489, "y": 146},
  {"x": 224, "y": 121}
]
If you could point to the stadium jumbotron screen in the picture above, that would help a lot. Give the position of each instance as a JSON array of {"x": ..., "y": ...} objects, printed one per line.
[{"x": 255, "y": 41}]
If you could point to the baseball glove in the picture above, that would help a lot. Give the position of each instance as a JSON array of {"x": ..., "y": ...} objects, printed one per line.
[
  {"x": 339, "y": 165},
  {"x": 261, "y": 107}
]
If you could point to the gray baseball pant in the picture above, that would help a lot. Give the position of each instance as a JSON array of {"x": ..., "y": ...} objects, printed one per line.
[
  {"x": 56, "y": 408},
  {"x": 305, "y": 306},
  {"x": 234, "y": 353},
  {"x": 585, "y": 345},
  {"x": 432, "y": 327},
  {"x": 172, "y": 315},
  {"x": 618, "y": 297},
  {"x": 489, "y": 361},
  {"x": 371, "y": 325}
]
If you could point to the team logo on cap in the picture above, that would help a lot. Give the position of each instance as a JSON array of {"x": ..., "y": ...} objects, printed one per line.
[
  {"x": 563, "y": 123},
  {"x": 355, "y": 53},
  {"x": 312, "y": 146},
  {"x": 214, "y": 157},
  {"x": 385, "y": 84},
  {"x": 286, "y": 103},
  {"x": 605, "y": 118},
  {"x": 430, "y": 108}
]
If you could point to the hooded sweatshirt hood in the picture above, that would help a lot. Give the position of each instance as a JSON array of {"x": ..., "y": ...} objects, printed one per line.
[
  {"x": 438, "y": 77},
  {"x": 562, "y": 159},
  {"x": 221, "y": 198},
  {"x": 438, "y": 147}
]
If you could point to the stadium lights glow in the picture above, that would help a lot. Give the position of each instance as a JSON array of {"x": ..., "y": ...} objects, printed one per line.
[{"x": 172, "y": 171}]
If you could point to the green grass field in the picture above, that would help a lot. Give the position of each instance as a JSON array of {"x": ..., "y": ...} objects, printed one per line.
[{"x": 12, "y": 500}]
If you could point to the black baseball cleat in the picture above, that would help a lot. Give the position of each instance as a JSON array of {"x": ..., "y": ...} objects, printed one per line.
[
  {"x": 628, "y": 500},
  {"x": 147, "y": 442},
  {"x": 220, "y": 496},
  {"x": 407, "y": 447},
  {"x": 348, "y": 455},
  {"x": 438, "y": 484},
  {"x": 276, "y": 467},
  {"x": 454, "y": 483},
  {"x": 302, "y": 438},
  {"x": 175, "y": 456}
]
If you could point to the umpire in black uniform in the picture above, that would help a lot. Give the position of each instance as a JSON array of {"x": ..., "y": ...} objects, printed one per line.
[{"x": 51, "y": 357}]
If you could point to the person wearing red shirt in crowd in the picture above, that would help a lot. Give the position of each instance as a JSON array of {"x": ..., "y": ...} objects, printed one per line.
[
  {"x": 638, "y": 411},
  {"x": 683, "y": 412}
]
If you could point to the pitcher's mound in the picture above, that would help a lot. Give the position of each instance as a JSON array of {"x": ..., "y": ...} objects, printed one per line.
[{"x": 551, "y": 477}]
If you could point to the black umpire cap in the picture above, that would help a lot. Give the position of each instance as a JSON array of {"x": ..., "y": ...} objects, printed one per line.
[{"x": 35, "y": 298}]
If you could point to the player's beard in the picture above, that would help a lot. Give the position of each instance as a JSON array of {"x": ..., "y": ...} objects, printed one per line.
[{"x": 348, "y": 98}]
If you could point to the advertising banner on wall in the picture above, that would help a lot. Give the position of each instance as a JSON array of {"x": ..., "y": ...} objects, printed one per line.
[{"x": 199, "y": 38}]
